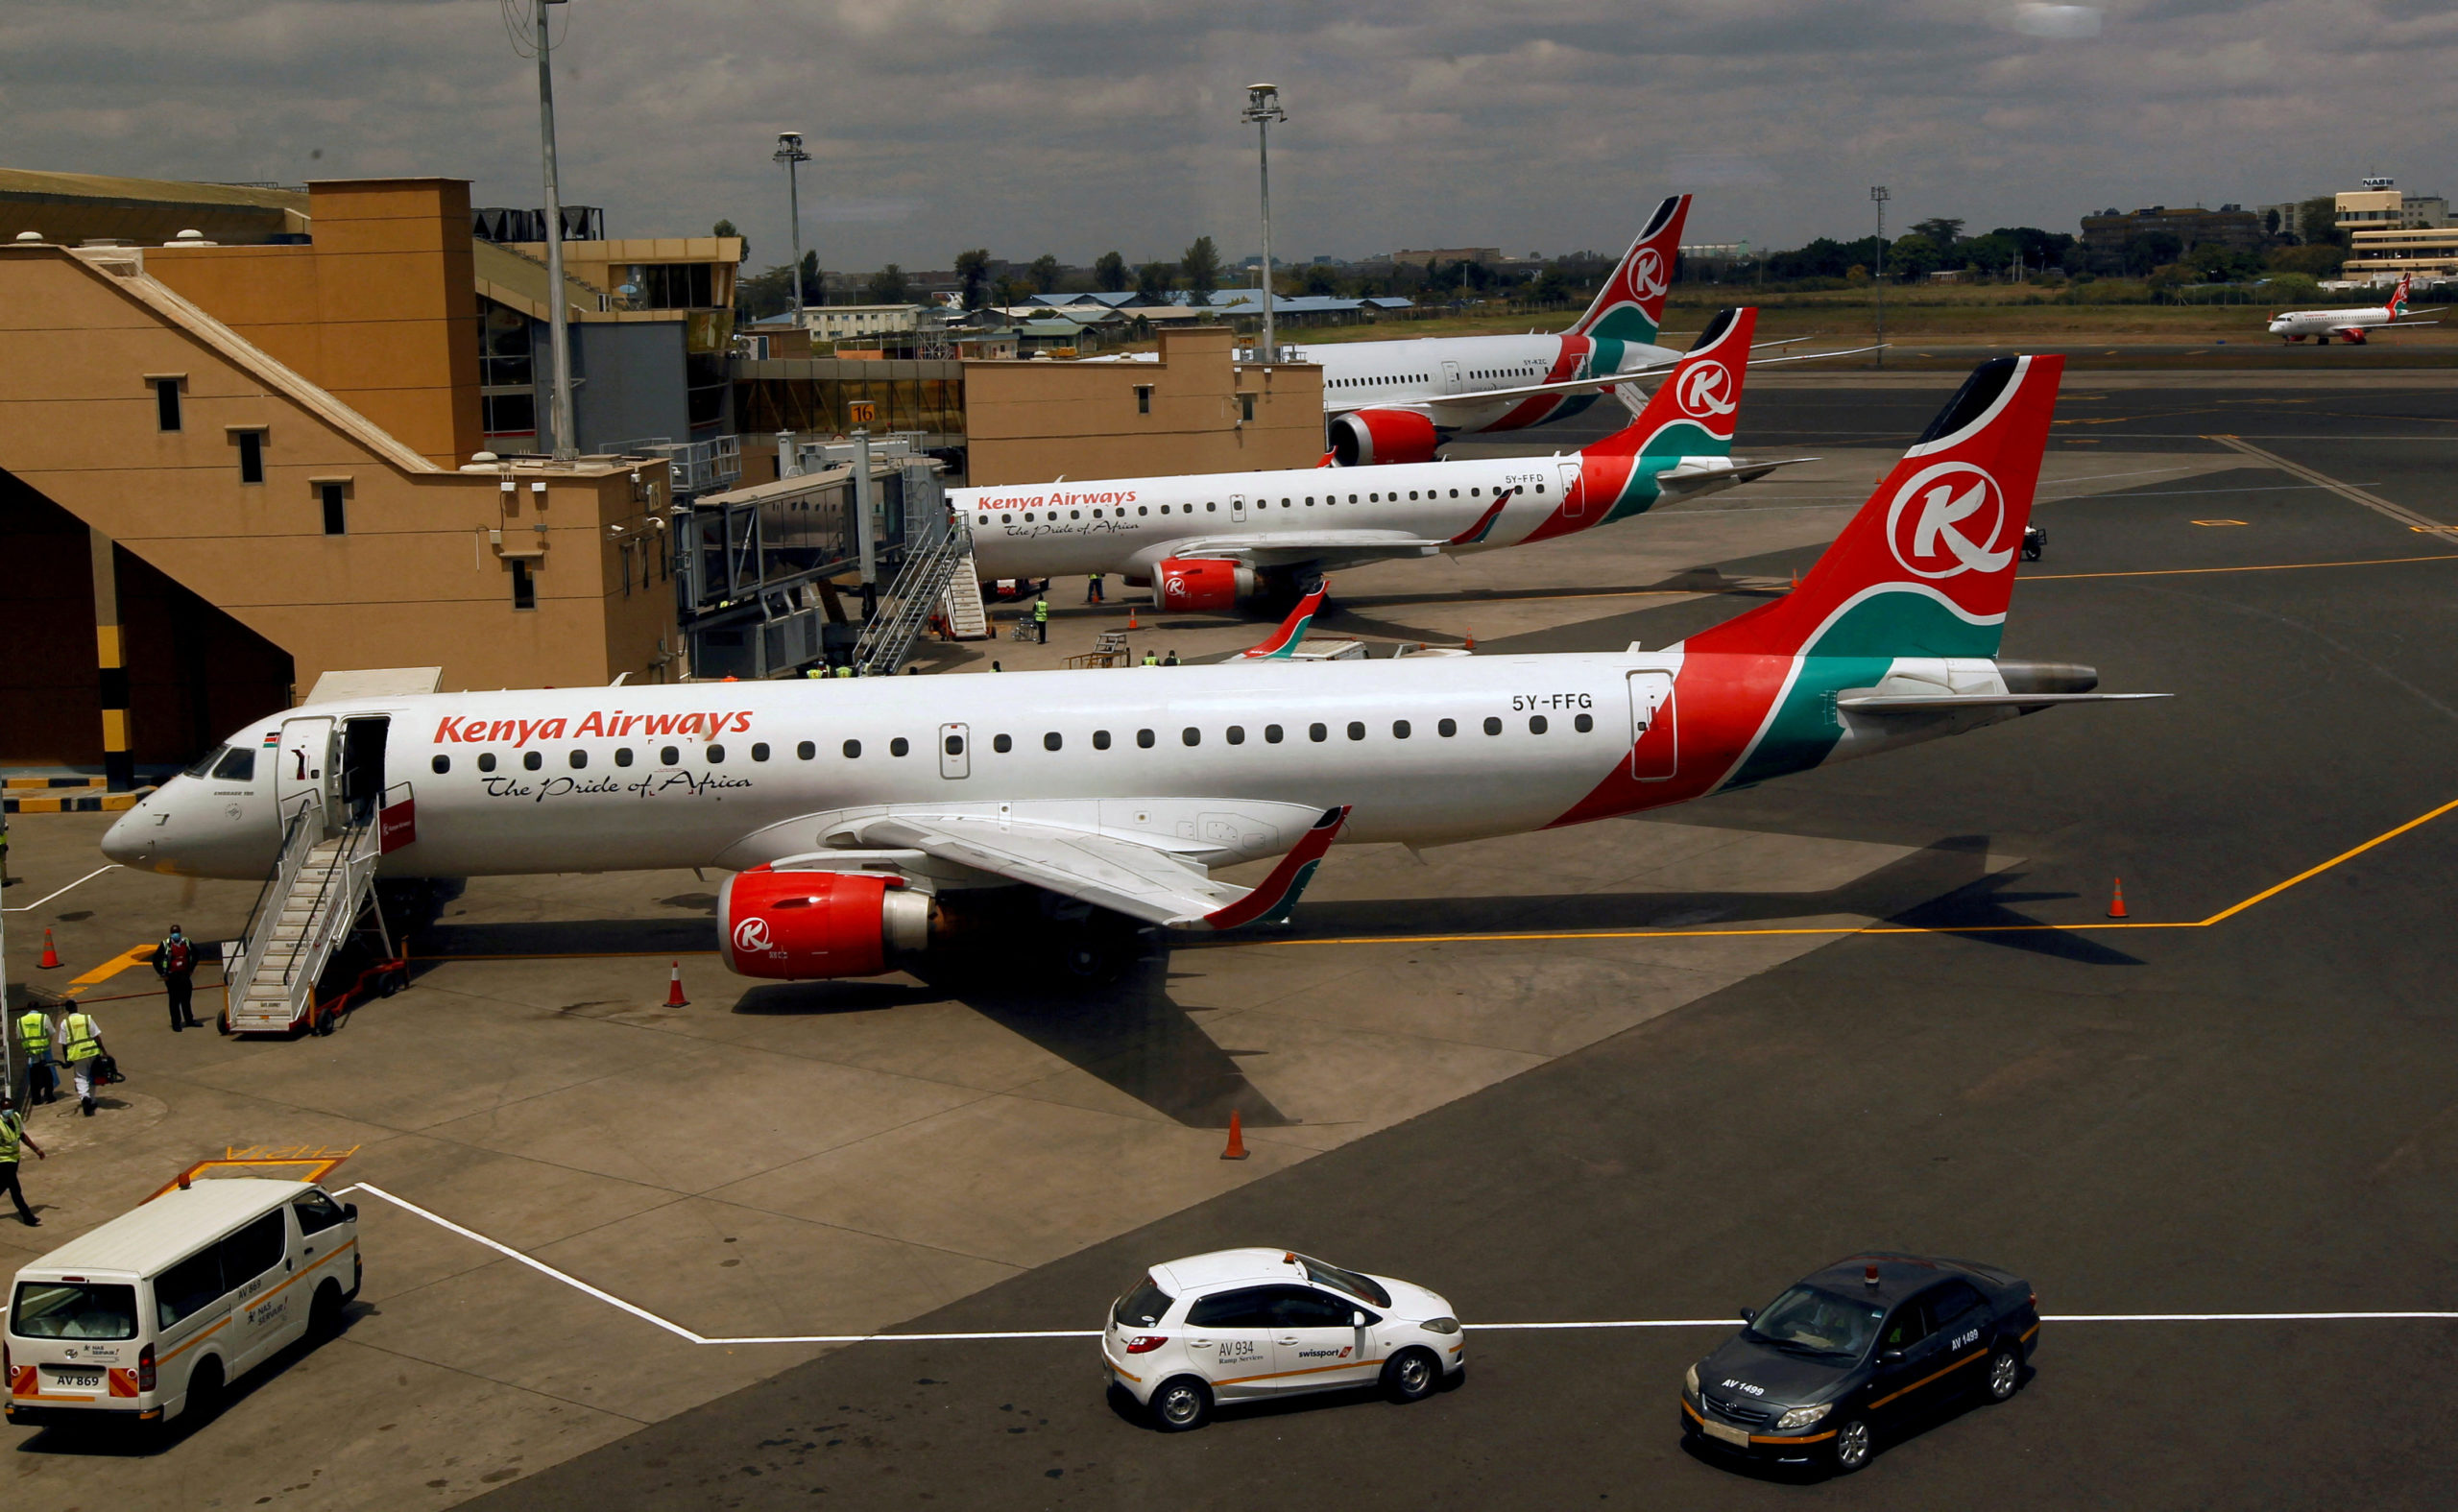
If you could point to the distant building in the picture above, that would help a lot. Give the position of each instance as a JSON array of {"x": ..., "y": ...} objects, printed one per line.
[
  {"x": 2381, "y": 205},
  {"x": 855, "y": 322},
  {"x": 1424, "y": 258},
  {"x": 2106, "y": 235}
]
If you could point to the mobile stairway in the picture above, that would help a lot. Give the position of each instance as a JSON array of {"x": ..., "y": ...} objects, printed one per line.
[
  {"x": 968, "y": 618},
  {"x": 931, "y": 567},
  {"x": 321, "y": 889}
]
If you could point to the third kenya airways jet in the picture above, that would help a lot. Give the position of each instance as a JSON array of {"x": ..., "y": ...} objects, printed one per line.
[
  {"x": 1397, "y": 401},
  {"x": 871, "y": 823},
  {"x": 2323, "y": 325},
  {"x": 1204, "y": 541}
]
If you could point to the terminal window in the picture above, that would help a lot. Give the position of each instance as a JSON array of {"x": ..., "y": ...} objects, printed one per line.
[
  {"x": 330, "y": 494},
  {"x": 1143, "y": 398},
  {"x": 166, "y": 403},
  {"x": 524, "y": 587},
  {"x": 251, "y": 456}
]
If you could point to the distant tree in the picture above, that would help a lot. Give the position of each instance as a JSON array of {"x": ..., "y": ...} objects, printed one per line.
[
  {"x": 2317, "y": 221},
  {"x": 1201, "y": 262},
  {"x": 1154, "y": 280},
  {"x": 2291, "y": 286},
  {"x": 887, "y": 287},
  {"x": 973, "y": 270},
  {"x": 1992, "y": 253},
  {"x": 1110, "y": 275},
  {"x": 2217, "y": 262},
  {"x": 1553, "y": 286},
  {"x": 1318, "y": 279},
  {"x": 765, "y": 294},
  {"x": 2314, "y": 260},
  {"x": 2038, "y": 248},
  {"x": 727, "y": 228},
  {"x": 815, "y": 287},
  {"x": 1912, "y": 256},
  {"x": 1012, "y": 291},
  {"x": 2151, "y": 251},
  {"x": 1043, "y": 273},
  {"x": 1945, "y": 232},
  {"x": 2270, "y": 220}
]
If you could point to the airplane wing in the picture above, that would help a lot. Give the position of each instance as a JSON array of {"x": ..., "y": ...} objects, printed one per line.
[
  {"x": 1129, "y": 876},
  {"x": 1699, "y": 476},
  {"x": 1324, "y": 548},
  {"x": 2401, "y": 324},
  {"x": 1604, "y": 380},
  {"x": 1930, "y": 702}
]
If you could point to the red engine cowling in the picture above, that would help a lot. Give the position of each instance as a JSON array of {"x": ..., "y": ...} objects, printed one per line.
[
  {"x": 1200, "y": 584},
  {"x": 1362, "y": 438},
  {"x": 802, "y": 925}
]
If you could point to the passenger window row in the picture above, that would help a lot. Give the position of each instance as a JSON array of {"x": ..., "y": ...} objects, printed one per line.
[{"x": 1120, "y": 511}]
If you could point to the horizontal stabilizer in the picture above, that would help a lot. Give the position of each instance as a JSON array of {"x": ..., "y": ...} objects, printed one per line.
[{"x": 1921, "y": 703}]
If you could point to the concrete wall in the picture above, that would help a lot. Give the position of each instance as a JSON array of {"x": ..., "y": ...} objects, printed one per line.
[
  {"x": 381, "y": 310},
  {"x": 414, "y": 581},
  {"x": 1029, "y": 422},
  {"x": 632, "y": 386}
]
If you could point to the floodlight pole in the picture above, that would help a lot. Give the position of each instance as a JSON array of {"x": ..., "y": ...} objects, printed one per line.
[
  {"x": 1262, "y": 108},
  {"x": 789, "y": 151},
  {"x": 1878, "y": 195},
  {"x": 559, "y": 337}
]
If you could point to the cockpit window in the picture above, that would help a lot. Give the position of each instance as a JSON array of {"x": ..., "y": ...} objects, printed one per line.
[
  {"x": 204, "y": 766},
  {"x": 239, "y": 765}
]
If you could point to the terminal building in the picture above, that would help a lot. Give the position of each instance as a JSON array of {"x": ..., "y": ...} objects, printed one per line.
[{"x": 2391, "y": 232}]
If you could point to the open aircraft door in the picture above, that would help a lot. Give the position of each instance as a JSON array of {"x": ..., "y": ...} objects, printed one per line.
[
  {"x": 301, "y": 767},
  {"x": 1655, "y": 727}
]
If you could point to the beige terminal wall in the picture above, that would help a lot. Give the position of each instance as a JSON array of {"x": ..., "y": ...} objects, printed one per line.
[
  {"x": 415, "y": 578},
  {"x": 1030, "y": 420}
]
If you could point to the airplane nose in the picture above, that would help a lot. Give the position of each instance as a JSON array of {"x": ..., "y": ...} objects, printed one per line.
[{"x": 130, "y": 840}]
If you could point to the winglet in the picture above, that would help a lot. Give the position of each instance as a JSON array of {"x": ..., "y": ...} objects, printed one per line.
[
  {"x": 1272, "y": 900},
  {"x": 1281, "y": 643}
]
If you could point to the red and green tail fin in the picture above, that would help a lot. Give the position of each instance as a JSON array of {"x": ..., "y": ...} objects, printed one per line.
[
  {"x": 1926, "y": 569},
  {"x": 1631, "y": 306},
  {"x": 1281, "y": 644}
]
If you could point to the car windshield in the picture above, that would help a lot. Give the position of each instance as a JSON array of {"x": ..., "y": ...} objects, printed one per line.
[
  {"x": 68, "y": 1310},
  {"x": 1348, "y": 1281},
  {"x": 1808, "y": 1321},
  {"x": 1143, "y": 1306}
]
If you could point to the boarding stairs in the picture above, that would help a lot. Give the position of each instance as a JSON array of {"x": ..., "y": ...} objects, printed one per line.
[
  {"x": 320, "y": 888},
  {"x": 968, "y": 619},
  {"x": 932, "y": 564}
]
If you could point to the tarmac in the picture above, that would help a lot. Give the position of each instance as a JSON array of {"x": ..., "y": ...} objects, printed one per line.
[{"x": 1644, "y": 1071}]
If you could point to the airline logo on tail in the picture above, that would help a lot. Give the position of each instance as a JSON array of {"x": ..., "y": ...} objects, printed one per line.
[
  {"x": 1631, "y": 306},
  {"x": 1707, "y": 391},
  {"x": 1281, "y": 644},
  {"x": 2398, "y": 294},
  {"x": 1945, "y": 519}
]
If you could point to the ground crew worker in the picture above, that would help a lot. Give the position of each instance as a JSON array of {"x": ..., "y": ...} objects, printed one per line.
[
  {"x": 81, "y": 1043},
  {"x": 1151, "y": 659},
  {"x": 174, "y": 961},
  {"x": 5, "y": 880},
  {"x": 13, "y": 1133},
  {"x": 1041, "y": 617},
  {"x": 1173, "y": 659},
  {"x": 34, "y": 1039},
  {"x": 847, "y": 670},
  {"x": 1093, "y": 588}
]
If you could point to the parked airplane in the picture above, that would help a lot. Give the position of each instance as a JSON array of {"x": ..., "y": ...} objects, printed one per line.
[
  {"x": 2352, "y": 325},
  {"x": 871, "y": 823},
  {"x": 1208, "y": 539},
  {"x": 1397, "y": 401}
]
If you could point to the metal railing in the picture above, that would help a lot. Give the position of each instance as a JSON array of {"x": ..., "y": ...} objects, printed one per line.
[
  {"x": 300, "y": 838},
  {"x": 697, "y": 467},
  {"x": 931, "y": 559}
]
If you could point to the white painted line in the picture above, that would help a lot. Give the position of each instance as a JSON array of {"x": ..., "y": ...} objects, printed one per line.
[
  {"x": 682, "y": 1332},
  {"x": 22, "y": 908}
]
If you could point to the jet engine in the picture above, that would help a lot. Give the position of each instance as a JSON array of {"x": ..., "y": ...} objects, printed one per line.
[
  {"x": 1362, "y": 438},
  {"x": 801, "y": 925},
  {"x": 1203, "y": 584}
]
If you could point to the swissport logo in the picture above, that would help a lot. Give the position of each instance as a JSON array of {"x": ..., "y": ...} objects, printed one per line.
[
  {"x": 1946, "y": 520},
  {"x": 1705, "y": 391},
  {"x": 751, "y": 936},
  {"x": 1647, "y": 274}
]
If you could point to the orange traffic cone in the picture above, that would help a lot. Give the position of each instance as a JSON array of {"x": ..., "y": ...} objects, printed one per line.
[
  {"x": 1131, "y": 617},
  {"x": 2117, "y": 904},
  {"x": 1237, "y": 1150},
  {"x": 50, "y": 957},
  {"x": 674, "y": 997},
  {"x": 1471, "y": 644}
]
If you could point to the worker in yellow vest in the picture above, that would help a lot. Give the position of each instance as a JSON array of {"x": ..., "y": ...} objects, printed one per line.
[
  {"x": 33, "y": 1041},
  {"x": 1041, "y": 617},
  {"x": 13, "y": 1133},
  {"x": 80, "y": 1045}
]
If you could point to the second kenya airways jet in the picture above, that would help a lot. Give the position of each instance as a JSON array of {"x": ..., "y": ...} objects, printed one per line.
[
  {"x": 872, "y": 822},
  {"x": 1204, "y": 541},
  {"x": 1397, "y": 401}
]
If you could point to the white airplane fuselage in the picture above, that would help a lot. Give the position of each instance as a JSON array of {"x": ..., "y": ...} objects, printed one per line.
[
  {"x": 1399, "y": 375},
  {"x": 2330, "y": 323}
]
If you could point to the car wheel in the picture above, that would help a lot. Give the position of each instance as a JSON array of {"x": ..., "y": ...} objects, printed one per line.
[
  {"x": 205, "y": 1393},
  {"x": 325, "y": 1317},
  {"x": 1181, "y": 1404},
  {"x": 1852, "y": 1445},
  {"x": 1412, "y": 1375},
  {"x": 2004, "y": 1372}
]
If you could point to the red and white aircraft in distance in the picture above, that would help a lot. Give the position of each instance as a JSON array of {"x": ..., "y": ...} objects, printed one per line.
[
  {"x": 873, "y": 824},
  {"x": 1205, "y": 541},
  {"x": 2350, "y": 325}
]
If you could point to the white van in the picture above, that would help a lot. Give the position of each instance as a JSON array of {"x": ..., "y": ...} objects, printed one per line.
[{"x": 153, "y": 1314}]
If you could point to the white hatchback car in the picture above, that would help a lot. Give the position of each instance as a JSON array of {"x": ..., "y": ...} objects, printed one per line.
[{"x": 1241, "y": 1325}]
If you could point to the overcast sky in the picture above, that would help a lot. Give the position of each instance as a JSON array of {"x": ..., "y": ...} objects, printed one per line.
[{"x": 1078, "y": 126}]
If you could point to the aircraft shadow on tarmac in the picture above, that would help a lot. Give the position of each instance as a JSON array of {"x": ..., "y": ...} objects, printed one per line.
[{"x": 1945, "y": 884}]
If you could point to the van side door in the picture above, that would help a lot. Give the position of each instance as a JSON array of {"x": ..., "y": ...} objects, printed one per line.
[
  {"x": 255, "y": 1261},
  {"x": 325, "y": 1242}
]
